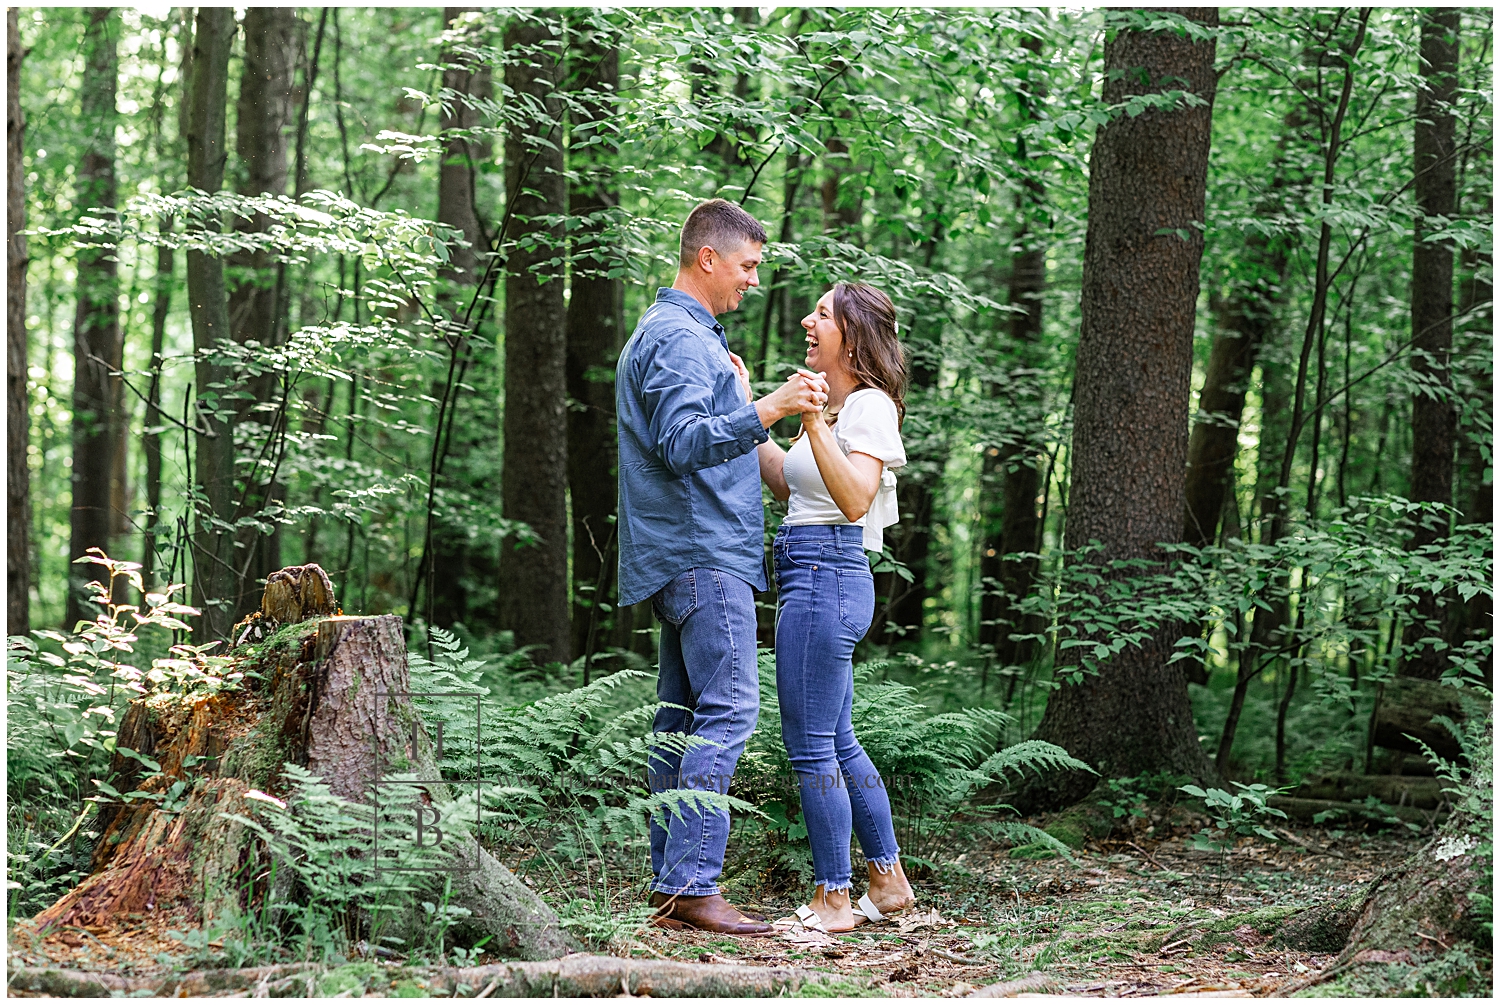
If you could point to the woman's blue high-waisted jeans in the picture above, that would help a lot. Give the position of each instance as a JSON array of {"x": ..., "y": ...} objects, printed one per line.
[{"x": 826, "y": 600}]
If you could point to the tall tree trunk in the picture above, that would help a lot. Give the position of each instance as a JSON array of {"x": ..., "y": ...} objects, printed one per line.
[
  {"x": 163, "y": 281},
  {"x": 1433, "y": 416},
  {"x": 151, "y": 434},
  {"x": 18, "y": 410},
  {"x": 1478, "y": 501},
  {"x": 595, "y": 333},
  {"x": 726, "y": 145},
  {"x": 1274, "y": 503},
  {"x": 96, "y": 322},
  {"x": 841, "y": 210},
  {"x": 459, "y": 563},
  {"x": 905, "y": 609},
  {"x": 1140, "y": 290},
  {"x": 255, "y": 301},
  {"x": 534, "y": 575},
  {"x": 213, "y": 543},
  {"x": 1245, "y": 317},
  {"x": 1016, "y": 465}
]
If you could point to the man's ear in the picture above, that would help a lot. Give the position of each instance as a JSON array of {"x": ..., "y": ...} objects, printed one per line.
[{"x": 706, "y": 256}]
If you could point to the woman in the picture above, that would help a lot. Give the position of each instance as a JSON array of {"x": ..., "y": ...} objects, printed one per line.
[{"x": 838, "y": 476}]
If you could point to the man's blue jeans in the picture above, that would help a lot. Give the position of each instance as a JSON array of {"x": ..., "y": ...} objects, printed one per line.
[
  {"x": 825, "y": 602},
  {"x": 708, "y": 665}
]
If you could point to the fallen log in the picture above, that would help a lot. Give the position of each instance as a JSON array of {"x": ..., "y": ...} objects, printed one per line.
[
  {"x": 575, "y": 976},
  {"x": 1406, "y": 708},
  {"x": 318, "y": 691},
  {"x": 1032, "y": 983},
  {"x": 1306, "y": 809},
  {"x": 1424, "y": 793}
]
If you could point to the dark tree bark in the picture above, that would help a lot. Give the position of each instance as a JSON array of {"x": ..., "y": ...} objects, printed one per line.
[
  {"x": 595, "y": 333},
  {"x": 726, "y": 144},
  {"x": 458, "y": 563},
  {"x": 461, "y": 156},
  {"x": 213, "y": 541},
  {"x": 1140, "y": 290},
  {"x": 534, "y": 575},
  {"x": 1016, "y": 465},
  {"x": 18, "y": 401},
  {"x": 256, "y": 303},
  {"x": 97, "y": 345},
  {"x": 1434, "y": 420}
]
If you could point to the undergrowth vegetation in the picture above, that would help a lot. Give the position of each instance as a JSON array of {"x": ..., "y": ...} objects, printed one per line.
[{"x": 562, "y": 792}]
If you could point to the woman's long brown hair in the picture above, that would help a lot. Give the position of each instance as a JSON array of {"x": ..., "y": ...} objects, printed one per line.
[{"x": 867, "y": 321}]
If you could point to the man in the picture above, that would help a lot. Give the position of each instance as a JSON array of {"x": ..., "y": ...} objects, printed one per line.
[{"x": 690, "y": 535}]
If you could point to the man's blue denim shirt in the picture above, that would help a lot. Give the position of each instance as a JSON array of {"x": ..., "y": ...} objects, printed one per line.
[{"x": 689, "y": 476}]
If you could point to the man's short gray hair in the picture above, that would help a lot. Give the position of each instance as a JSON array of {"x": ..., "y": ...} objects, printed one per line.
[{"x": 717, "y": 224}]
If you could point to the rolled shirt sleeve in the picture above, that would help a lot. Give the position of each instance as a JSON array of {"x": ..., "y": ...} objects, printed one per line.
[{"x": 678, "y": 389}]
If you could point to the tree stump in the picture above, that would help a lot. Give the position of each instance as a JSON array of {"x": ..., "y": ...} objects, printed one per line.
[{"x": 319, "y": 690}]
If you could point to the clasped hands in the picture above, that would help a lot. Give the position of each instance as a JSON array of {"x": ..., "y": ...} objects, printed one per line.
[{"x": 804, "y": 393}]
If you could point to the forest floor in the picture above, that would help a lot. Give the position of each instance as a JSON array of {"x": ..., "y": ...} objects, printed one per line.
[
  {"x": 1135, "y": 916},
  {"x": 1129, "y": 919}
]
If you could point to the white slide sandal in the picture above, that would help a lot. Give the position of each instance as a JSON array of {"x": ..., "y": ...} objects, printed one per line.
[
  {"x": 806, "y": 918},
  {"x": 868, "y": 910}
]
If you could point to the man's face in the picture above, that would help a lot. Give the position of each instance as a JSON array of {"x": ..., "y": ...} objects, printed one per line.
[{"x": 730, "y": 273}]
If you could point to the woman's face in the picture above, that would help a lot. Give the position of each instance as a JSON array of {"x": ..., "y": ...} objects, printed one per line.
[{"x": 825, "y": 343}]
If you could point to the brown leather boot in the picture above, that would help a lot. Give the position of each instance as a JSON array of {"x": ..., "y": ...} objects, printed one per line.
[
  {"x": 658, "y": 899},
  {"x": 708, "y": 914}
]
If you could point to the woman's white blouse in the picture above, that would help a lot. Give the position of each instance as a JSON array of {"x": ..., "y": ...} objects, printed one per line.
[{"x": 868, "y": 424}]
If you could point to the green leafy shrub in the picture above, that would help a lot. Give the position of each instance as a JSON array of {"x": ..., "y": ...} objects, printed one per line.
[
  {"x": 64, "y": 695},
  {"x": 1241, "y": 814}
]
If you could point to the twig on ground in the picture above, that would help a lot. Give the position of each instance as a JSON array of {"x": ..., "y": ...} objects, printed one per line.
[{"x": 1150, "y": 856}]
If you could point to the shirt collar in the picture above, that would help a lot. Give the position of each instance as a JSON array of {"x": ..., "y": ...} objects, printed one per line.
[{"x": 689, "y": 304}]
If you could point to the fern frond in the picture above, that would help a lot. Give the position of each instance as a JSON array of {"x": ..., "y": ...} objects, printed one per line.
[
  {"x": 1037, "y": 755},
  {"x": 661, "y": 806},
  {"x": 1023, "y": 834}
]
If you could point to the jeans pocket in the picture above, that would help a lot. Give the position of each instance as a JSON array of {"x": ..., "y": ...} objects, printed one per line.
[
  {"x": 856, "y": 601},
  {"x": 678, "y": 599},
  {"x": 807, "y": 554}
]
